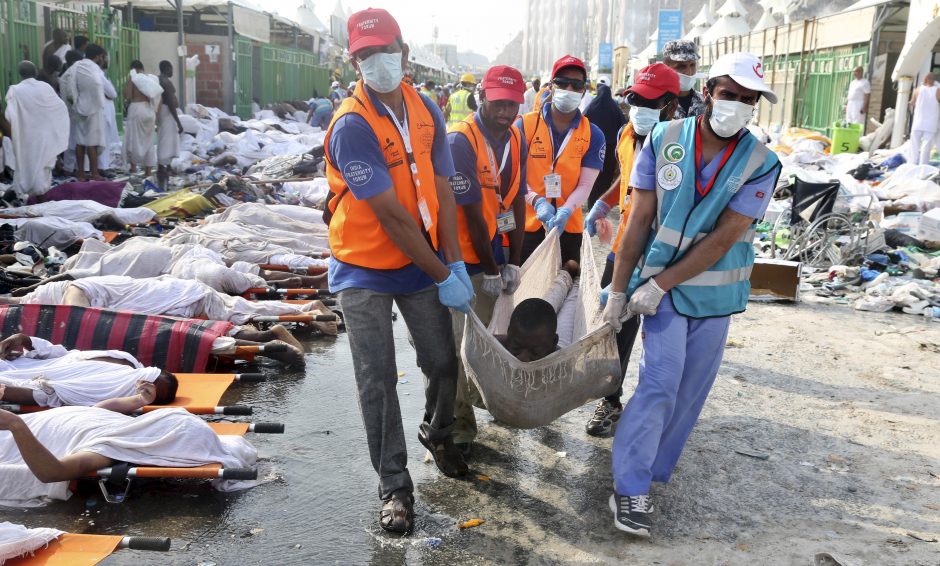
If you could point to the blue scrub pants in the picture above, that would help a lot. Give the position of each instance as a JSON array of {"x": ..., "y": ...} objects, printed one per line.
[{"x": 681, "y": 357}]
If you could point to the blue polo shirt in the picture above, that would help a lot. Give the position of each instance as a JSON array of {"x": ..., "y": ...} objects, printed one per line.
[
  {"x": 352, "y": 143},
  {"x": 751, "y": 199},
  {"x": 466, "y": 183},
  {"x": 594, "y": 157}
]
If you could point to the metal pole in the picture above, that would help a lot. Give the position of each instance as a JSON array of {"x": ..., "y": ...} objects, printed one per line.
[
  {"x": 233, "y": 60},
  {"x": 181, "y": 49}
]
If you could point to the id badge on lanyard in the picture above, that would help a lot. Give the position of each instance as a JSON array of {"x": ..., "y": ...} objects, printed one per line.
[
  {"x": 505, "y": 222},
  {"x": 553, "y": 180},
  {"x": 423, "y": 208}
]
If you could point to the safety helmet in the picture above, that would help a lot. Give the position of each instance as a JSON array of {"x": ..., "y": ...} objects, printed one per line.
[{"x": 468, "y": 78}]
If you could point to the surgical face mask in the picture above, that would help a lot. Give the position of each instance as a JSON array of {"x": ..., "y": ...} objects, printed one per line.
[
  {"x": 686, "y": 82},
  {"x": 727, "y": 117},
  {"x": 566, "y": 100},
  {"x": 643, "y": 119},
  {"x": 382, "y": 71}
]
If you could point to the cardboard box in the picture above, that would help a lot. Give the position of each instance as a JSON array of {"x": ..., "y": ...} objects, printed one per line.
[
  {"x": 776, "y": 279},
  {"x": 929, "y": 229}
]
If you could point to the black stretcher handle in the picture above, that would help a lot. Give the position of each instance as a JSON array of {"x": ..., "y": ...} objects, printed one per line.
[
  {"x": 239, "y": 474},
  {"x": 237, "y": 410},
  {"x": 324, "y": 318},
  {"x": 328, "y": 302},
  {"x": 273, "y": 349},
  {"x": 268, "y": 428},
  {"x": 250, "y": 377},
  {"x": 161, "y": 544}
]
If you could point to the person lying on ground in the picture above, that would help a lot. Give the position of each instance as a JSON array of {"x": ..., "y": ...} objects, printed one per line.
[
  {"x": 33, "y": 371},
  {"x": 40, "y": 453},
  {"x": 168, "y": 296}
]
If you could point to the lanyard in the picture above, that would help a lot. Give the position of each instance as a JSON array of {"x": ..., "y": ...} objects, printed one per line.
[
  {"x": 561, "y": 148},
  {"x": 502, "y": 165},
  {"x": 725, "y": 156},
  {"x": 406, "y": 139}
]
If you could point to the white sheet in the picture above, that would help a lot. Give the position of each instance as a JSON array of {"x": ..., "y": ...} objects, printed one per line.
[
  {"x": 39, "y": 122},
  {"x": 17, "y": 540},
  {"x": 168, "y": 136},
  {"x": 51, "y": 231},
  {"x": 84, "y": 211},
  {"x": 165, "y": 437},
  {"x": 91, "y": 125},
  {"x": 139, "y": 148}
]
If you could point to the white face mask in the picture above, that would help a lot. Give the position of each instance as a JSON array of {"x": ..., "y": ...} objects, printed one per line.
[
  {"x": 382, "y": 71},
  {"x": 728, "y": 117},
  {"x": 686, "y": 82},
  {"x": 566, "y": 100},
  {"x": 643, "y": 119}
]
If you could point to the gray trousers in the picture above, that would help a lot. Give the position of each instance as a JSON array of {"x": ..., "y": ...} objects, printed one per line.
[
  {"x": 465, "y": 428},
  {"x": 368, "y": 317}
]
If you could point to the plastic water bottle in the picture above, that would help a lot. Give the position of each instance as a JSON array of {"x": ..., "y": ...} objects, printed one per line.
[{"x": 933, "y": 314}]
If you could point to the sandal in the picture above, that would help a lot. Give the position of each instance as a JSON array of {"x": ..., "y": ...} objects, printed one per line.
[{"x": 398, "y": 514}]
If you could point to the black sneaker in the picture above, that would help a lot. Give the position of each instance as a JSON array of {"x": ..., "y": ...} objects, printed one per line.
[
  {"x": 632, "y": 513},
  {"x": 605, "y": 417}
]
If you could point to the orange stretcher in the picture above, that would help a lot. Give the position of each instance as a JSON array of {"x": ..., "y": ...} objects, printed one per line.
[
  {"x": 265, "y": 293},
  {"x": 76, "y": 549},
  {"x": 198, "y": 393},
  {"x": 123, "y": 474},
  {"x": 312, "y": 270}
]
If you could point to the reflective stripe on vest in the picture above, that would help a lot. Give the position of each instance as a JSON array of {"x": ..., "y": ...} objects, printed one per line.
[
  {"x": 459, "y": 108},
  {"x": 681, "y": 222},
  {"x": 356, "y": 235},
  {"x": 489, "y": 183},
  {"x": 568, "y": 166}
]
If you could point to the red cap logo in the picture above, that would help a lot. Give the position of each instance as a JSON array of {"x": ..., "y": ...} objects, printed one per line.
[{"x": 759, "y": 70}]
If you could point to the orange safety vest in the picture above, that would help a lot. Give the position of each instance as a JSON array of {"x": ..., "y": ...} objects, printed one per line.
[
  {"x": 626, "y": 149},
  {"x": 356, "y": 236},
  {"x": 539, "y": 164},
  {"x": 489, "y": 183}
]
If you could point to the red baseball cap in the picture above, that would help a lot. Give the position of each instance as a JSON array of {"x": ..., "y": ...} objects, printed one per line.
[
  {"x": 654, "y": 81},
  {"x": 373, "y": 27},
  {"x": 504, "y": 83},
  {"x": 568, "y": 61}
]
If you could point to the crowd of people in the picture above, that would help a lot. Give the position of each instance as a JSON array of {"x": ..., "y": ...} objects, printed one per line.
[
  {"x": 434, "y": 209},
  {"x": 76, "y": 101},
  {"x": 437, "y": 197}
]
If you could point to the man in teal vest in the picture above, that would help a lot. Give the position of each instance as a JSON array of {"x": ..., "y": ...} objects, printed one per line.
[{"x": 699, "y": 186}]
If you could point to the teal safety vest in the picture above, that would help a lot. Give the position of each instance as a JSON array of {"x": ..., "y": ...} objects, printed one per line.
[
  {"x": 459, "y": 109},
  {"x": 723, "y": 289}
]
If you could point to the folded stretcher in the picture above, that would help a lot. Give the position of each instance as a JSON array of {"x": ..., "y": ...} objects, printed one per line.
[
  {"x": 311, "y": 270},
  {"x": 123, "y": 474},
  {"x": 70, "y": 549}
]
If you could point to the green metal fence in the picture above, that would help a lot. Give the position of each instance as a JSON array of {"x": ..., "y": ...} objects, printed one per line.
[
  {"x": 244, "y": 90},
  {"x": 290, "y": 74},
  {"x": 21, "y": 33},
  {"x": 824, "y": 80}
]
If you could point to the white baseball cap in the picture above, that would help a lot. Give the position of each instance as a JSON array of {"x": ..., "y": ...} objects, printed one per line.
[
  {"x": 744, "y": 69},
  {"x": 335, "y": 84}
]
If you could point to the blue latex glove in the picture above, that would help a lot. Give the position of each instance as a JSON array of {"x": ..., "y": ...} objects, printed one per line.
[
  {"x": 544, "y": 211},
  {"x": 605, "y": 292},
  {"x": 561, "y": 219},
  {"x": 598, "y": 211},
  {"x": 459, "y": 269},
  {"x": 454, "y": 294}
]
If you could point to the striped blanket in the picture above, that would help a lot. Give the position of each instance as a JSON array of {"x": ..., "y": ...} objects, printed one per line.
[{"x": 173, "y": 344}]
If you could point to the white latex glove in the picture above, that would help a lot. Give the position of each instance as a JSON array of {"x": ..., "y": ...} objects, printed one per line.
[
  {"x": 616, "y": 310},
  {"x": 492, "y": 284},
  {"x": 511, "y": 274},
  {"x": 646, "y": 298}
]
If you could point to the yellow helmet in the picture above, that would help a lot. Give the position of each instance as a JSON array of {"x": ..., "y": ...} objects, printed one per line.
[{"x": 468, "y": 78}]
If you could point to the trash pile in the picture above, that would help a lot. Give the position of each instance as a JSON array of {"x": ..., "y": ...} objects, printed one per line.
[{"x": 865, "y": 226}]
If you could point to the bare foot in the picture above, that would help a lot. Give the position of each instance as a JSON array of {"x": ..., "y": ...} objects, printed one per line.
[
  {"x": 284, "y": 335},
  {"x": 292, "y": 357},
  {"x": 97, "y": 178}
]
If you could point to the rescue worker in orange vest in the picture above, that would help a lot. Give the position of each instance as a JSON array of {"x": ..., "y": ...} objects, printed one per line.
[
  {"x": 489, "y": 187},
  {"x": 652, "y": 98},
  {"x": 392, "y": 224},
  {"x": 566, "y": 154}
]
